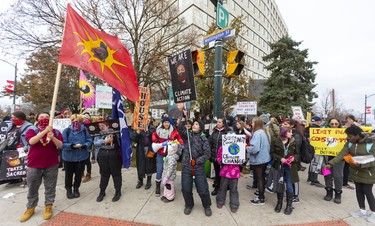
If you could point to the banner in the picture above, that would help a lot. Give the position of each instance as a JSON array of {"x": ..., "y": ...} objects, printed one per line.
[
  {"x": 94, "y": 127},
  {"x": 103, "y": 97},
  {"x": 9, "y": 86},
  {"x": 141, "y": 109},
  {"x": 87, "y": 91},
  {"x": 327, "y": 141},
  {"x": 234, "y": 151},
  {"x": 182, "y": 76},
  {"x": 12, "y": 166}
]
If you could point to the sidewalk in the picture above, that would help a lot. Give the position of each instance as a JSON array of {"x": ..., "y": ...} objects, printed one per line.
[{"x": 141, "y": 207}]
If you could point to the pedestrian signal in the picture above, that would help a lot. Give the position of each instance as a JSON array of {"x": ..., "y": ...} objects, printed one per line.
[
  {"x": 198, "y": 62},
  {"x": 234, "y": 65}
]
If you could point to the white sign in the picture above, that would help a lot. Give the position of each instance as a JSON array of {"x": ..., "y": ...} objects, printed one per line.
[
  {"x": 61, "y": 123},
  {"x": 247, "y": 108},
  {"x": 297, "y": 113},
  {"x": 234, "y": 151},
  {"x": 103, "y": 97}
]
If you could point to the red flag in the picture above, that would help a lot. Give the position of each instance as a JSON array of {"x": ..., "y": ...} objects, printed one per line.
[
  {"x": 10, "y": 87},
  {"x": 99, "y": 53}
]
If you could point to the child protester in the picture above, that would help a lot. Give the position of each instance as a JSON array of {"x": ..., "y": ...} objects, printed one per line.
[
  {"x": 170, "y": 168},
  {"x": 229, "y": 174}
]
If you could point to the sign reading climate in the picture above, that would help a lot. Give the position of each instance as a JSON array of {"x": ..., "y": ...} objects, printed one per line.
[
  {"x": 327, "y": 141},
  {"x": 234, "y": 149}
]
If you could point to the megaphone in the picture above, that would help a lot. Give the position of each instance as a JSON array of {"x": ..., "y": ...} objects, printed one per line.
[{"x": 156, "y": 146}]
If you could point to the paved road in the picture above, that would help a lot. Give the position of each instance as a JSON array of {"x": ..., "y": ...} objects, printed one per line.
[{"x": 140, "y": 205}]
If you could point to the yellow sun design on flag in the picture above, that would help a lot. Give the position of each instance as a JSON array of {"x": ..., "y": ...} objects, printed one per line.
[{"x": 99, "y": 52}]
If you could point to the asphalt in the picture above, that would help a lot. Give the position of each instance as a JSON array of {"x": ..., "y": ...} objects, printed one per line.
[{"x": 141, "y": 206}]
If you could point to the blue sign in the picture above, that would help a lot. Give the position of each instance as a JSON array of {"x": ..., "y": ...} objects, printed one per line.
[{"x": 217, "y": 36}]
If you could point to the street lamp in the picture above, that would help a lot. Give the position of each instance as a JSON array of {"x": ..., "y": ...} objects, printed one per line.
[
  {"x": 15, "y": 83},
  {"x": 367, "y": 96}
]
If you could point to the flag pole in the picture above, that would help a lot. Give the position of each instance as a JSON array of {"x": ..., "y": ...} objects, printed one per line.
[{"x": 55, "y": 91}]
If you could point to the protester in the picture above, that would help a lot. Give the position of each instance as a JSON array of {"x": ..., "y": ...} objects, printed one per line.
[
  {"x": 336, "y": 176},
  {"x": 350, "y": 120},
  {"x": 42, "y": 165},
  {"x": 87, "y": 120},
  {"x": 284, "y": 155},
  {"x": 164, "y": 132},
  {"x": 313, "y": 176},
  {"x": 146, "y": 163},
  {"x": 31, "y": 118},
  {"x": 363, "y": 175},
  {"x": 75, "y": 152},
  {"x": 169, "y": 172},
  {"x": 259, "y": 155},
  {"x": 109, "y": 160},
  {"x": 195, "y": 153},
  {"x": 215, "y": 142}
]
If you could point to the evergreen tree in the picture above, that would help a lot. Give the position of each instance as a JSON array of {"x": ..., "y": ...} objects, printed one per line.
[{"x": 292, "y": 79}]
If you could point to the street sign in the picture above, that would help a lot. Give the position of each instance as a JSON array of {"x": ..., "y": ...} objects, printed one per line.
[
  {"x": 222, "y": 16},
  {"x": 217, "y": 35}
]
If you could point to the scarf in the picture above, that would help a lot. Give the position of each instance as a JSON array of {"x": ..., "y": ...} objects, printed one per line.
[
  {"x": 76, "y": 126},
  {"x": 163, "y": 132},
  {"x": 42, "y": 124}
]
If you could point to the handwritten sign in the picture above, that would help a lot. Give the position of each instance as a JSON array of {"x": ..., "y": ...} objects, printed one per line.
[
  {"x": 297, "y": 113},
  {"x": 327, "y": 141},
  {"x": 61, "y": 124},
  {"x": 12, "y": 166},
  {"x": 247, "y": 108},
  {"x": 234, "y": 149},
  {"x": 103, "y": 98}
]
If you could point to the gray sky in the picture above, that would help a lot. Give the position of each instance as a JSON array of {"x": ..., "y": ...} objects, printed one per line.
[{"x": 339, "y": 34}]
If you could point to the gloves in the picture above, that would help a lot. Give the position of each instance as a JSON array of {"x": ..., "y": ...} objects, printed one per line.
[
  {"x": 84, "y": 147},
  {"x": 168, "y": 186},
  {"x": 164, "y": 181},
  {"x": 72, "y": 147}
]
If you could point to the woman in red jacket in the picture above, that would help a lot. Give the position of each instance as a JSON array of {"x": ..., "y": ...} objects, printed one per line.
[{"x": 164, "y": 132}]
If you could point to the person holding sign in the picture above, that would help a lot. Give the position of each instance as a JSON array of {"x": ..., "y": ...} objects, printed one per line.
[
  {"x": 363, "y": 175},
  {"x": 284, "y": 154},
  {"x": 43, "y": 165},
  {"x": 259, "y": 151},
  {"x": 195, "y": 154},
  {"x": 75, "y": 152}
]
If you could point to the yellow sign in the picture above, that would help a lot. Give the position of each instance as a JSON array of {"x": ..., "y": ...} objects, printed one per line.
[{"x": 327, "y": 141}]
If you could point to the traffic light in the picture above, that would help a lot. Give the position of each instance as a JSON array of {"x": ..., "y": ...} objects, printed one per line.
[
  {"x": 234, "y": 67},
  {"x": 198, "y": 62}
]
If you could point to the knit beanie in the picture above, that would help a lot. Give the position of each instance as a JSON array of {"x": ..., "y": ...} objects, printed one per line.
[{"x": 19, "y": 115}]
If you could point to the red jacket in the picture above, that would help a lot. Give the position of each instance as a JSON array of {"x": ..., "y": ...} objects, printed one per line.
[{"x": 174, "y": 136}]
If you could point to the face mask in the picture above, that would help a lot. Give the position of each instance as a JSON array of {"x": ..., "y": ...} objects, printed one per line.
[
  {"x": 76, "y": 126},
  {"x": 18, "y": 122},
  {"x": 42, "y": 123}
]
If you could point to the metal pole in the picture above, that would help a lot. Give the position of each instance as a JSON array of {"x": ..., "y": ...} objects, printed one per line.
[
  {"x": 15, "y": 88},
  {"x": 218, "y": 111},
  {"x": 365, "y": 107}
]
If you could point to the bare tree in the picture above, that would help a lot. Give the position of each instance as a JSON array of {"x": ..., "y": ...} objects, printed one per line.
[{"x": 151, "y": 30}]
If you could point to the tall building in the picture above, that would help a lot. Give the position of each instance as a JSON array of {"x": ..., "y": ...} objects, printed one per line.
[{"x": 263, "y": 24}]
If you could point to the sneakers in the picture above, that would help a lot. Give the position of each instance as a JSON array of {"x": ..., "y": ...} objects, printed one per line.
[
  {"x": 28, "y": 213},
  {"x": 256, "y": 193},
  {"x": 47, "y": 212},
  {"x": 257, "y": 201},
  {"x": 208, "y": 212},
  {"x": 348, "y": 186},
  {"x": 251, "y": 173},
  {"x": 317, "y": 184},
  {"x": 187, "y": 211},
  {"x": 371, "y": 217},
  {"x": 359, "y": 213},
  {"x": 295, "y": 199},
  {"x": 215, "y": 191}
]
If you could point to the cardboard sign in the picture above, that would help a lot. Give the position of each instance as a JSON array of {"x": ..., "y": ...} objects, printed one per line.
[
  {"x": 297, "y": 113},
  {"x": 234, "y": 151},
  {"x": 247, "y": 108},
  {"x": 327, "y": 141},
  {"x": 141, "y": 109},
  {"x": 94, "y": 128},
  {"x": 61, "y": 123},
  {"x": 182, "y": 76},
  {"x": 12, "y": 166}
]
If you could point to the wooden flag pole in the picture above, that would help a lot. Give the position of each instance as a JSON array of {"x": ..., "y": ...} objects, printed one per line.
[{"x": 55, "y": 92}]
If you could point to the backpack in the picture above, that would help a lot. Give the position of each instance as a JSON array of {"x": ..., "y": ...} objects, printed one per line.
[{"x": 307, "y": 151}]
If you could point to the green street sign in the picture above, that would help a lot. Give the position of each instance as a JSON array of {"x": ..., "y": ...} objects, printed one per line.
[{"x": 222, "y": 16}]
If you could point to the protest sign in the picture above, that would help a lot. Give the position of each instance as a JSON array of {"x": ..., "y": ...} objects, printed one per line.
[{"x": 234, "y": 151}]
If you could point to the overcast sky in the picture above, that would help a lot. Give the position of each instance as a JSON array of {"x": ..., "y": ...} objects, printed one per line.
[{"x": 340, "y": 35}]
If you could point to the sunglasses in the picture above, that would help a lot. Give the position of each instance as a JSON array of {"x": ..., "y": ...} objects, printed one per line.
[{"x": 334, "y": 124}]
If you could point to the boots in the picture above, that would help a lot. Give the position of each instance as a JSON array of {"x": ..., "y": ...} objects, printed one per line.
[
  {"x": 28, "y": 213},
  {"x": 101, "y": 196},
  {"x": 69, "y": 193},
  {"x": 329, "y": 194},
  {"x": 76, "y": 193},
  {"x": 337, "y": 199},
  {"x": 140, "y": 183},
  {"x": 148, "y": 184},
  {"x": 289, "y": 200},
  {"x": 47, "y": 212},
  {"x": 279, "y": 204},
  {"x": 87, "y": 178},
  {"x": 117, "y": 196},
  {"x": 157, "y": 191}
]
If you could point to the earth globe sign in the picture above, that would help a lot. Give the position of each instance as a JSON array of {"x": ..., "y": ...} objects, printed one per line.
[{"x": 234, "y": 149}]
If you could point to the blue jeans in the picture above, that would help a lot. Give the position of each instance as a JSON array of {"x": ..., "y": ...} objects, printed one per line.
[
  {"x": 288, "y": 180},
  {"x": 159, "y": 166},
  {"x": 200, "y": 184}
]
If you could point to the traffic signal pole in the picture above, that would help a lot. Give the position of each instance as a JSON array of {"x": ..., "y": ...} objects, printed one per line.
[{"x": 218, "y": 82}]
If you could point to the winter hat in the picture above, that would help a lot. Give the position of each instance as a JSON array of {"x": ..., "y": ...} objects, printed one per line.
[
  {"x": 165, "y": 119},
  {"x": 316, "y": 119},
  {"x": 201, "y": 125},
  {"x": 351, "y": 117},
  {"x": 19, "y": 115}
]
